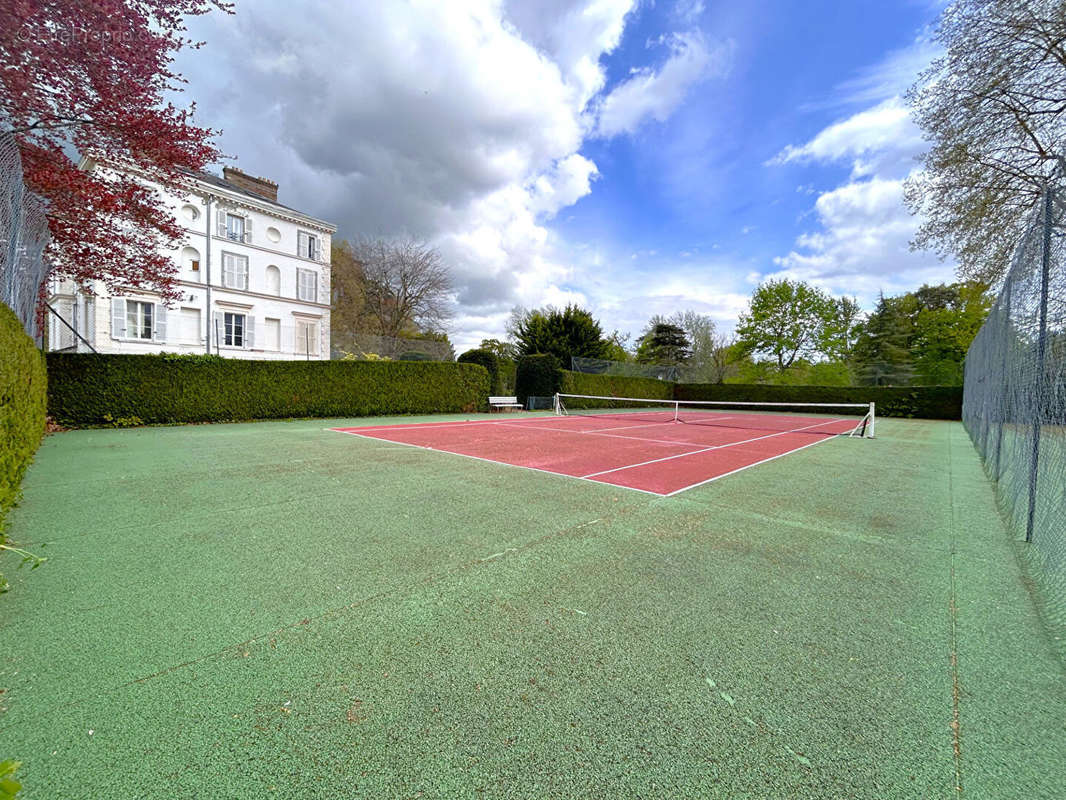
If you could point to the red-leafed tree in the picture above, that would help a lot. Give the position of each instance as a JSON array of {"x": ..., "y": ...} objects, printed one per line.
[{"x": 91, "y": 77}]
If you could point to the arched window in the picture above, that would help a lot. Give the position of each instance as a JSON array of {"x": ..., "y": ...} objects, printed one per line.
[
  {"x": 190, "y": 263},
  {"x": 273, "y": 280}
]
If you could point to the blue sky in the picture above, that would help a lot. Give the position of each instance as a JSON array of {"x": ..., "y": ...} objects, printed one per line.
[{"x": 635, "y": 157}]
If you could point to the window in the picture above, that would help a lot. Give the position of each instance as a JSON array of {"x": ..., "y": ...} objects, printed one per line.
[
  {"x": 272, "y": 334},
  {"x": 233, "y": 330},
  {"x": 234, "y": 271},
  {"x": 306, "y": 343},
  {"x": 235, "y": 227},
  {"x": 273, "y": 276},
  {"x": 307, "y": 245},
  {"x": 191, "y": 330},
  {"x": 139, "y": 319},
  {"x": 307, "y": 285}
]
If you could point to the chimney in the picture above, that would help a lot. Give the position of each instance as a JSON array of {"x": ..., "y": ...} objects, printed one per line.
[{"x": 266, "y": 189}]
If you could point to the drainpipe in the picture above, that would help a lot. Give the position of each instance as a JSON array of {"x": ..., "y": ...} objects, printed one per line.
[{"x": 207, "y": 272}]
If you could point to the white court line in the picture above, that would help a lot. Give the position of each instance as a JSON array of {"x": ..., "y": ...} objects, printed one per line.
[
  {"x": 715, "y": 447},
  {"x": 493, "y": 461},
  {"x": 622, "y": 436},
  {"x": 749, "y": 466},
  {"x": 455, "y": 424}
]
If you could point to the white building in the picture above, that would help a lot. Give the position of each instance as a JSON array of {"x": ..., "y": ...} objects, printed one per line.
[{"x": 254, "y": 275}]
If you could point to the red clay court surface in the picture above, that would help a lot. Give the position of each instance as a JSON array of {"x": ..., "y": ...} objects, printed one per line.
[{"x": 647, "y": 452}]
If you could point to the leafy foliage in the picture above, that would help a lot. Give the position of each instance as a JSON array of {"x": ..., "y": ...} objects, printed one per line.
[
  {"x": 921, "y": 336},
  {"x": 9, "y": 786},
  {"x": 666, "y": 344},
  {"x": 537, "y": 376},
  {"x": 563, "y": 334},
  {"x": 91, "y": 390},
  {"x": 612, "y": 385},
  {"x": 500, "y": 348},
  {"x": 93, "y": 77},
  {"x": 994, "y": 107},
  {"x": 23, "y": 393},
  {"x": 490, "y": 362},
  {"x": 925, "y": 402},
  {"x": 791, "y": 320}
]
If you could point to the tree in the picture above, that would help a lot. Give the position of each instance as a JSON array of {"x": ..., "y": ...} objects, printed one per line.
[
  {"x": 842, "y": 325},
  {"x": 91, "y": 76},
  {"x": 618, "y": 347},
  {"x": 665, "y": 344},
  {"x": 564, "y": 334},
  {"x": 786, "y": 320},
  {"x": 994, "y": 107},
  {"x": 501, "y": 349},
  {"x": 348, "y": 282},
  {"x": 407, "y": 285},
  {"x": 921, "y": 336}
]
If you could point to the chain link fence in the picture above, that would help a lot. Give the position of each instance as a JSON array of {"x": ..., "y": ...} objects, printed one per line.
[
  {"x": 368, "y": 347},
  {"x": 23, "y": 238},
  {"x": 1014, "y": 402}
]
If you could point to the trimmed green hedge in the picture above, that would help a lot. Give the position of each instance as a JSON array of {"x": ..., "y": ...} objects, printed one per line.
[
  {"x": 489, "y": 361},
  {"x": 88, "y": 389},
  {"x": 23, "y": 389},
  {"x": 612, "y": 385},
  {"x": 537, "y": 376},
  {"x": 926, "y": 402}
]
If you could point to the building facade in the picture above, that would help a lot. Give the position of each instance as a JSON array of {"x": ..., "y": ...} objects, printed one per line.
[{"x": 254, "y": 275}]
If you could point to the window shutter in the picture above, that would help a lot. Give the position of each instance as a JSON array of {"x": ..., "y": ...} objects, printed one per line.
[
  {"x": 159, "y": 315},
  {"x": 247, "y": 230},
  {"x": 317, "y": 254},
  {"x": 221, "y": 222},
  {"x": 243, "y": 265},
  {"x": 118, "y": 318},
  {"x": 249, "y": 331},
  {"x": 218, "y": 329},
  {"x": 301, "y": 243}
]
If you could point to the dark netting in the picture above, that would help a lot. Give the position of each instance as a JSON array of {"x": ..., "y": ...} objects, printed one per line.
[{"x": 1014, "y": 404}]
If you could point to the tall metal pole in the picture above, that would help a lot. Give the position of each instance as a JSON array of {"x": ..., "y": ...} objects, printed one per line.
[
  {"x": 1041, "y": 351},
  {"x": 1006, "y": 339},
  {"x": 207, "y": 272}
]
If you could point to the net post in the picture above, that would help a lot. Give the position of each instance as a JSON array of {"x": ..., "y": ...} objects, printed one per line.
[
  {"x": 555, "y": 403},
  {"x": 677, "y": 410},
  {"x": 873, "y": 418}
]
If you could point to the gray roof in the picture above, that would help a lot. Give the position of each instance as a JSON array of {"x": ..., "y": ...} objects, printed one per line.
[{"x": 222, "y": 183}]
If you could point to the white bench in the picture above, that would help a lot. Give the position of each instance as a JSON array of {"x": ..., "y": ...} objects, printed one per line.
[{"x": 504, "y": 402}]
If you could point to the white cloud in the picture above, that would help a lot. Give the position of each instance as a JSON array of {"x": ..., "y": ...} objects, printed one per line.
[
  {"x": 862, "y": 243},
  {"x": 875, "y": 140},
  {"x": 654, "y": 94},
  {"x": 459, "y": 124}
]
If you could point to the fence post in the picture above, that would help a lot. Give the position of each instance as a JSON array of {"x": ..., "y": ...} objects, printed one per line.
[
  {"x": 1041, "y": 351},
  {"x": 1005, "y": 338}
]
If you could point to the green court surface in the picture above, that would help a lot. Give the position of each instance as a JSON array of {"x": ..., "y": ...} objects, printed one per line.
[{"x": 275, "y": 610}]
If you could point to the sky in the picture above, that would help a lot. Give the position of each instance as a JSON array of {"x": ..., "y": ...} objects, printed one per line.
[{"x": 635, "y": 157}]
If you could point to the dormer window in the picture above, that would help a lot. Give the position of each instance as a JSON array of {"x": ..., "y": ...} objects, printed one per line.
[{"x": 307, "y": 246}]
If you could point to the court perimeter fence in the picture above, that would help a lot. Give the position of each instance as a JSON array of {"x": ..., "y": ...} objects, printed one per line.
[
  {"x": 23, "y": 239},
  {"x": 1014, "y": 403}
]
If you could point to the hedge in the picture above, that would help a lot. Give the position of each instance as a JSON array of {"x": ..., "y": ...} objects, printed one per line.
[
  {"x": 613, "y": 385},
  {"x": 23, "y": 384},
  {"x": 490, "y": 362},
  {"x": 926, "y": 402},
  {"x": 536, "y": 376},
  {"x": 88, "y": 389}
]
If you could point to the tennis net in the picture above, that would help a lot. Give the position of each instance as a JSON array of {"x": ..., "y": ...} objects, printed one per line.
[{"x": 817, "y": 419}]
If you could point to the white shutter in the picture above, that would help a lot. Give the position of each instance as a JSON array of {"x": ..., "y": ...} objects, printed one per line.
[
  {"x": 249, "y": 331},
  {"x": 218, "y": 329},
  {"x": 243, "y": 266},
  {"x": 221, "y": 223},
  {"x": 247, "y": 230},
  {"x": 159, "y": 314},
  {"x": 118, "y": 318},
  {"x": 317, "y": 244},
  {"x": 301, "y": 243}
]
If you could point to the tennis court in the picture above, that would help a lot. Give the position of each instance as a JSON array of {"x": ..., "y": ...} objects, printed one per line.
[
  {"x": 275, "y": 610},
  {"x": 657, "y": 447}
]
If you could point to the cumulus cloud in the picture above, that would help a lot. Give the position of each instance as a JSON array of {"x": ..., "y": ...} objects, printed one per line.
[
  {"x": 655, "y": 93},
  {"x": 862, "y": 243},
  {"x": 879, "y": 139},
  {"x": 458, "y": 124}
]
